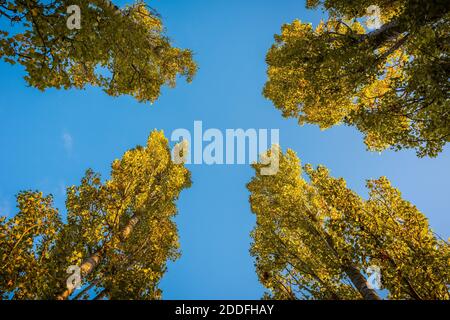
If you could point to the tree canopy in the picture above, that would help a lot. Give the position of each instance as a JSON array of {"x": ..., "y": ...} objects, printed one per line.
[
  {"x": 119, "y": 232},
  {"x": 391, "y": 83},
  {"x": 123, "y": 51},
  {"x": 316, "y": 239}
]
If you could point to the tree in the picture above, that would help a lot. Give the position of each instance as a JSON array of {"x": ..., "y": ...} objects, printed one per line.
[
  {"x": 315, "y": 238},
  {"x": 391, "y": 83},
  {"x": 124, "y": 51},
  {"x": 120, "y": 233}
]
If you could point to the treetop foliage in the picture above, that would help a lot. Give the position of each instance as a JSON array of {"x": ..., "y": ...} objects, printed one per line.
[
  {"x": 391, "y": 83},
  {"x": 120, "y": 232},
  {"x": 123, "y": 51},
  {"x": 315, "y": 238}
]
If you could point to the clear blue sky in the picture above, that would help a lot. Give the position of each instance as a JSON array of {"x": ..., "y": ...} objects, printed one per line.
[{"x": 48, "y": 140}]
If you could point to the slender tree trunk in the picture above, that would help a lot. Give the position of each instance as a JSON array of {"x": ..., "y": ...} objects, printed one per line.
[
  {"x": 129, "y": 227},
  {"x": 360, "y": 283},
  {"x": 86, "y": 267},
  {"x": 354, "y": 274},
  {"x": 94, "y": 260}
]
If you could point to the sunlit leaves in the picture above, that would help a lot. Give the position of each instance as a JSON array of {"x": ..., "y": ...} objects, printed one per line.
[
  {"x": 122, "y": 51},
  {"x": 390, "y": 83},
  {"x": 309, "y": 231},
  {"x": 25, "y": 245},
  {"x": 36, "y": 248}
]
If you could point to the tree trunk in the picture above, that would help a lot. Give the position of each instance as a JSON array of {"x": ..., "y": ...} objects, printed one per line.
[
  {"x": 94, "y": 260},
  {"x": 350, "y": 270},
  {"x": 360, "y": 283}
]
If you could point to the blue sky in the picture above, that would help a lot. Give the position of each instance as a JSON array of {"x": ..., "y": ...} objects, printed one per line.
[{"x": 48, "y": 140}]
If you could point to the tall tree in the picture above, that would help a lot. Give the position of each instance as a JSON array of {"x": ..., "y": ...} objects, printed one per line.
[
  {"x": 316, "y": 239},
  {"x": 391, "y": 83},
  {"x": 124, "y": 51},
  {"x": 120, "y": 233}
]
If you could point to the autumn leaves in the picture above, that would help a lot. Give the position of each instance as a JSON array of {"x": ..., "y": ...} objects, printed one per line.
[
  {"x": 125, "y": 54},
  {"x": 390, "y": 83},
  {"x": 120, "y": 232},
  {"x": 317, "y": 239},
  {"x": 116, "y": 230},
  {"x": 314, "y": 237}
]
